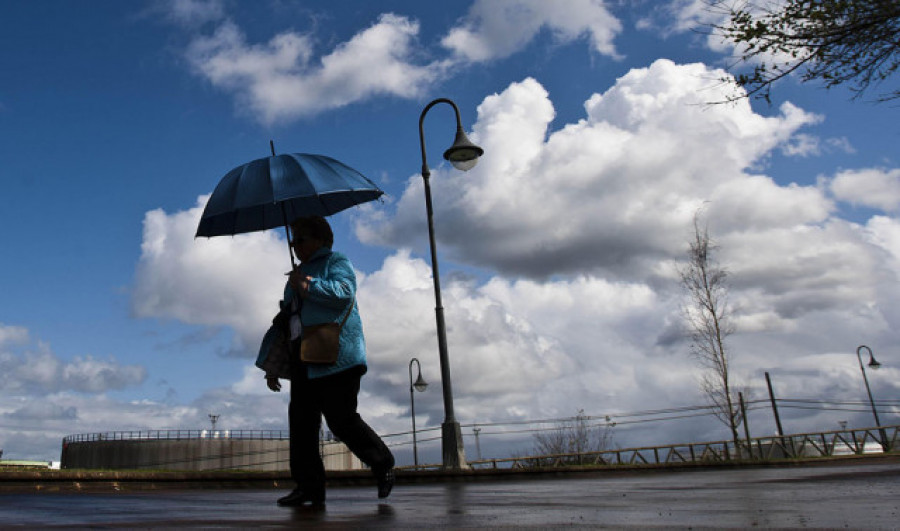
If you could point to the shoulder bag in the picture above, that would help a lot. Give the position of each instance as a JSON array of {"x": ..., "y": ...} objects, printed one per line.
[{"x": 320, "y": 344}]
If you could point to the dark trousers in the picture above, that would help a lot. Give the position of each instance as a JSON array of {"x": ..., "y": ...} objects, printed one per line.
[{"x": 334, "y": 397}]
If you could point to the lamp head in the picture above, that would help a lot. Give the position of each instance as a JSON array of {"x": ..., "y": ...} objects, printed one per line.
[
  {"x": 463, "y": 154},
  {"x": 873, "y": 363},
  {"x": 420, "y": 384}
]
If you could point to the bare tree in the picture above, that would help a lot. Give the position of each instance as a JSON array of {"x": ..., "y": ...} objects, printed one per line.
[
  {"x": 574, "y": 437},
  {"x": 709, "y": 319}
]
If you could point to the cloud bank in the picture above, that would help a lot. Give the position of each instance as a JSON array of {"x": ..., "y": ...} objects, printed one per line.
[
  {"x": 42, "y": 395},
  {"x": 573, "y": 238},
  {"x": 44, "y": 398}
]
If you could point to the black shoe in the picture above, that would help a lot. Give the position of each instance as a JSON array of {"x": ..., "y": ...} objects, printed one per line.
[
  {"x": 297, "y": 498},
  {"x": 385, "y": 483}
]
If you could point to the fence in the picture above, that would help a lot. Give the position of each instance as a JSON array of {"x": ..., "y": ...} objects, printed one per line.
[
  {"x": 253, "y": 449},
  {"x": 820, "y": 444},
  {"x": 266, "y": 450},
  {"x": 176, "y": 435}
]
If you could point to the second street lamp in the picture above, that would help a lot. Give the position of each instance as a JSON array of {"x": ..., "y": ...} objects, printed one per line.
[
  {"x": 873, "y": 363},
  {"x": 419, "y": 386},
  {"x": 463, "y": 155}
]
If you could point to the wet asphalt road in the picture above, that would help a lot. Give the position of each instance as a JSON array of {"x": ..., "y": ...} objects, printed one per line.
[{"x": 847, "y": 496}]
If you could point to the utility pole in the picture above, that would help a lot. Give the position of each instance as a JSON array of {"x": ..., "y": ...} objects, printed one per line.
[
  {"x": 787, "y": 451},
  {"x": 746, "y": 425},
  {"x": 774, "y": 406}
]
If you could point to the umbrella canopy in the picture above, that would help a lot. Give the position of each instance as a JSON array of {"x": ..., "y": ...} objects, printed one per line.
[{"x": 273, "y": 191}]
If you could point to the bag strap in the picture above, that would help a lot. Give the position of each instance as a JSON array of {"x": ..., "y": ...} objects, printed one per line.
[
  {"x": 352, "y": 302},
  {"x": 349, "y": 311}
]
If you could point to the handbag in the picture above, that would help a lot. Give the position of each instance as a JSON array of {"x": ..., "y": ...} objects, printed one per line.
[
  {"x": 274, "y": 354},
  {"x": 320, "y": 344}
]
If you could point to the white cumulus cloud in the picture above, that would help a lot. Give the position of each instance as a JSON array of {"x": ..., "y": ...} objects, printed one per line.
[
  {"x": 233, "y": 281},
  {"x": 494, "y": 30},
  {"x": 612, "y": 193},
  {"x": 289, "y": 77},
  {"x": 282, "y": 79},
  {"x": 869, "y": 187}
]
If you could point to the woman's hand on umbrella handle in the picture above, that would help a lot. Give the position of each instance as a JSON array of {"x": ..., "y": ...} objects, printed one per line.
[
  {"x": 273, "y": 384},
  {"x": 300, "y": 282}
]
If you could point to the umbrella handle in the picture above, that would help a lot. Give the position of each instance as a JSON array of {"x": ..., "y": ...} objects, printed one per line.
[
  {"x": 287, "y": 231},
  {"x": 287, "y": 234},
  {"x": 290, "y": 249}
]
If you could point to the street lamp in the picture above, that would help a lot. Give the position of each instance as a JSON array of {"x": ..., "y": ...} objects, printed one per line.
[
  {"x": 873, "y": 364},
  {"x": 419, "y": 386},
  {"x": 477, "y": 444},
  {"x": 463, "y": 154}
]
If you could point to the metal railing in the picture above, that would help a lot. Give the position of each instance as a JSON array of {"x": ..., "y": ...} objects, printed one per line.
[
  {"x": 188, "y": 449},
  {"x": 176, "y": 435},
  {"x": 803, "y": 445}
]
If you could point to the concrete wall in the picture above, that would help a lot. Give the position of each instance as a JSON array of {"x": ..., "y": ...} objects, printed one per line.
[{"x": 197, "y": 454}]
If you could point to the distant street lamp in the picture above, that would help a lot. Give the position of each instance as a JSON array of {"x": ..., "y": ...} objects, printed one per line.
[
  {"x": 477, "y": 443},
  {"x": 419, "y": 386},
  {"x": 463, "y": 154},
  {"x": 873, "y": 364}
]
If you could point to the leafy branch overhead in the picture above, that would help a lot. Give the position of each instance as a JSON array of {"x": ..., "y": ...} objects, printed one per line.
[{"x": 836, "y": 42}]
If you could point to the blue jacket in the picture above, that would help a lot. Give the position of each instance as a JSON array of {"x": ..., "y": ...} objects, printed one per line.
[{"x": 331, "y": 290}]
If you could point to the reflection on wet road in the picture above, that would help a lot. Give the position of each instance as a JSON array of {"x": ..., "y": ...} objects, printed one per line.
[{"x": 856, "y": 496}]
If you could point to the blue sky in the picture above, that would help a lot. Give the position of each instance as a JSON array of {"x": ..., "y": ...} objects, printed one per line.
[{"x": 559, "y": 250}]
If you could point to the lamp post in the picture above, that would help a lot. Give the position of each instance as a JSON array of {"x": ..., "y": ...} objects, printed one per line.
[
  {"x": 463, "y": 154},
  {"x": 873, "y": 363},
  {"x": 477, "y": 443},
  {"x": 419, "y": 386}
]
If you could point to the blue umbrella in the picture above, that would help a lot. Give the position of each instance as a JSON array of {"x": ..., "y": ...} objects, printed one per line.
[{"x": 274, "y": 191}]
